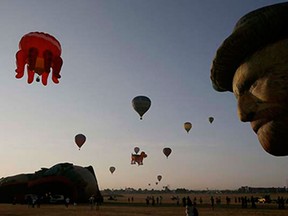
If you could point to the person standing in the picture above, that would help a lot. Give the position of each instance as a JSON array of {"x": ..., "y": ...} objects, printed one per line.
[
  {"x": 67, "y": 201},
  {"x": 191, "y": 210}
]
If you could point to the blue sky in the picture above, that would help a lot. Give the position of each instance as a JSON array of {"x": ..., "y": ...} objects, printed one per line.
[{"x": 113, "y": 51}]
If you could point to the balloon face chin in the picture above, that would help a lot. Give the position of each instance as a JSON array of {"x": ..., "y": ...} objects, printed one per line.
[{"x": 273, "y": 137}]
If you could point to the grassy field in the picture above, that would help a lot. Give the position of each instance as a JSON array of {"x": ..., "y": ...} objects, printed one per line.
[{"x": 138, "y": 207}]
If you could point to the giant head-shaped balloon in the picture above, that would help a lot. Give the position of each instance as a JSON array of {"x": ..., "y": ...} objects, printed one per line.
[{"x": 253, "y": 64}]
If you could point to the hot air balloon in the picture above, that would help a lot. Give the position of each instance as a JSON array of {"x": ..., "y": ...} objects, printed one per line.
[
  {"x": 136, "y": 150},
  {"x": 80, "y": 140},
  {"x": 112, "y": 169},
  {"x": 41, "y": 52},
  {"x": 141, "y": 104},
  {"x": 211, "y": 119},
  {"x": 159, "y": 177},
  {"x": 167, "y": 151},
  {"x": 138, "y": 158},
  {"x": 187, "y": 126}
]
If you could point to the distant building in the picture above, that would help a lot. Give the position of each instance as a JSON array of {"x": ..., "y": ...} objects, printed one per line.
[{"x": 246, "y": 189}]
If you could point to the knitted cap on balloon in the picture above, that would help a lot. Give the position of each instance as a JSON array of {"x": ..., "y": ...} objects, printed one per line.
[{"x": 252, "y": 32}]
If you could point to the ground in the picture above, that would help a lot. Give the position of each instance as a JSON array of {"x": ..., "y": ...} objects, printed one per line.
[{"x": 124, "y": 206}]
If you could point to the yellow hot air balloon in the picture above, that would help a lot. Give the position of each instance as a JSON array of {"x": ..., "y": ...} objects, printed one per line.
[
  {"x": 80, "y": 140},
  {"x": 141, "y": 105},
  {"x": 187, "y": 126}
]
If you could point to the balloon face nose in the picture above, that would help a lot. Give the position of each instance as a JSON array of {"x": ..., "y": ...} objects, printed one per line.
[{"x": 247, "y": 107}]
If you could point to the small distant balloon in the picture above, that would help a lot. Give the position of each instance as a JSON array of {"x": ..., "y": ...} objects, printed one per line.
[
  {"x": 80, "y": 140},
  {"x": 136, "y": 150},
  {"x": 167, "y": 151},
  {"x": 159, "y": 177},
  {"x": 211, "y": 119},
  {"x": 141, "y": 105},
  {"x": 187, "y": 126},
  {"x": 112, "y": 169}
]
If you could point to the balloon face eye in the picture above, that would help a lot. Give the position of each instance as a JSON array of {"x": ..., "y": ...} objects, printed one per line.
[{"x": 38, "y": 79}]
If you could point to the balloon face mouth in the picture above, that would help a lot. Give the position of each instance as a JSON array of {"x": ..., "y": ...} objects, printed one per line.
[
  {"x": 257, "y": 125},
  {"x": 272, "y": 136},
  {"x": 269, "y": 119}
]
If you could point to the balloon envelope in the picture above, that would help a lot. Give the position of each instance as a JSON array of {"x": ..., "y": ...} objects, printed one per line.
[
  {"x": 136, "y": 150},
  {"x": 141, "y": 105},
  {"x": 80, "y": 140},
  {"x": 41, "y": 52},
  {"x": 211, "y": 119},
  {"x": 167, "y": 151},
  {"x": 112, "y": 169},
  {"x": 187, "y": 126},
  {"x": 159, "y": 177}
]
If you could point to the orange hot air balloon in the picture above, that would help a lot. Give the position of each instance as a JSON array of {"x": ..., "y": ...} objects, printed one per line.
[
  {"x": 167, "y": 151},
  {"x": 159, "y": 177},
  {"x": 187, "y": 126},
  {"x": 141, "y": 105},
  {"x": 136, "y": 150},
  {"x": 112, "y": 169},
  {"x": 80, "y": 140},
  {"x": 41, "y": 52}
]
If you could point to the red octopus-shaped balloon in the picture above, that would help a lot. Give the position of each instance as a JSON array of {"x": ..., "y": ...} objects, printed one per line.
[{"x": 41, "y": 52}]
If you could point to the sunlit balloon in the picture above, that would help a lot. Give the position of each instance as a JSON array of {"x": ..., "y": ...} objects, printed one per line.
[
  {"x": 187, "y": 126},
  {"x": 211, "y": 119},
  {"x": 141, "y": 105},
  {"x": 136, "y": 150},
  {"x": 167, "y": 151},
  {"x": 41, "y": 52},
  {"x": 159, "y": 177},
  {"x": 80, "y": 140},
  {"x": 112, "y": 169}
]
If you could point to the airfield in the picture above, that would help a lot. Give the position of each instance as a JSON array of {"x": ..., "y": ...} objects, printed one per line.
[{"x": 123, "y": 206}]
